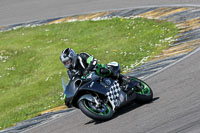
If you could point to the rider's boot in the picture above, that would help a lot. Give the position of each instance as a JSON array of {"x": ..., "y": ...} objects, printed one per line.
[{"x": 125, "y": 82}]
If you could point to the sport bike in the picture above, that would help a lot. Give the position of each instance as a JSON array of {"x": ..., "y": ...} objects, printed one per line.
[{"x": 100, "y": 97}]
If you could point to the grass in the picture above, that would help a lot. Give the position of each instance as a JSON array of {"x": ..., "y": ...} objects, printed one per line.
[{"x": 30, "y": 69}]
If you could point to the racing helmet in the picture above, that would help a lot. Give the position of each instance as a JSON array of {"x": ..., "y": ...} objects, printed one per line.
[{"x": 69, "y": 58}]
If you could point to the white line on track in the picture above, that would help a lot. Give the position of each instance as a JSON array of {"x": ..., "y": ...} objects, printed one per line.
[{"x": 165, "y": 68}]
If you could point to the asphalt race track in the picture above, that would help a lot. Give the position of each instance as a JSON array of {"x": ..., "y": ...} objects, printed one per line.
[
  {"x": 176, "y": 105},
  {"x": 13, "y": 12}
]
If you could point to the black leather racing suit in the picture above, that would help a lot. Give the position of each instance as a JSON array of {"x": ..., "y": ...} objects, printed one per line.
[{"x": 84, "y": 64}]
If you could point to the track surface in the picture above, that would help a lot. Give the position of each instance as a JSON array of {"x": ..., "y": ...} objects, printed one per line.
[
  {"x": 176, "y": 108},
  {"x": 13, "y": 12}
]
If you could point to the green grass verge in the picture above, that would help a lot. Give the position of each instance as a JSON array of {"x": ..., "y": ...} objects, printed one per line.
[{"x": 30, "y": 69}]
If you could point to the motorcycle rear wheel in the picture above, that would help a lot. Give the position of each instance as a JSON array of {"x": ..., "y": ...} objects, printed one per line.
[
  {"x": 104, "y": 113},
  {"x": 145, "y": 95}
]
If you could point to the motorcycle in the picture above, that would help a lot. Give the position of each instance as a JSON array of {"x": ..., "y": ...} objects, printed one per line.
[{"x": 100, "y": 97}]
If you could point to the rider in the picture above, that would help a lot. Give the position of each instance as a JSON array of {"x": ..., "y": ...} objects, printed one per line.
[{"x": 81, "y": 64}]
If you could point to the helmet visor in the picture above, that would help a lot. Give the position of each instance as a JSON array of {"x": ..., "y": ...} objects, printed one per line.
[{"x": 67, "y": 62}]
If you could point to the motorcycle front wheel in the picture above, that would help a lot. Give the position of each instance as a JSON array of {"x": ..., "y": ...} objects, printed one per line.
[{"x": 101, "y": 112}]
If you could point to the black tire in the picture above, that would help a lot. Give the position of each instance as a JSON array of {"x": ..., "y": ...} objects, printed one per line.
[
  {"x": 143, "y": 98},
  {"x": 83, "y": 106}
]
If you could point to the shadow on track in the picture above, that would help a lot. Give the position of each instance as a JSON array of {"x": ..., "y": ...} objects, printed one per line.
[{"x": 122, "y": 111}]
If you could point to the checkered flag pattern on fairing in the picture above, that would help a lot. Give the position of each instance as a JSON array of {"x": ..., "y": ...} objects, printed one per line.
[{"x": 113, "y": 94}]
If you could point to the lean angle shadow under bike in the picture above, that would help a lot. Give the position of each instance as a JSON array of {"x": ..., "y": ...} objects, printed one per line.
[{"x": 99, "y": 98}]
